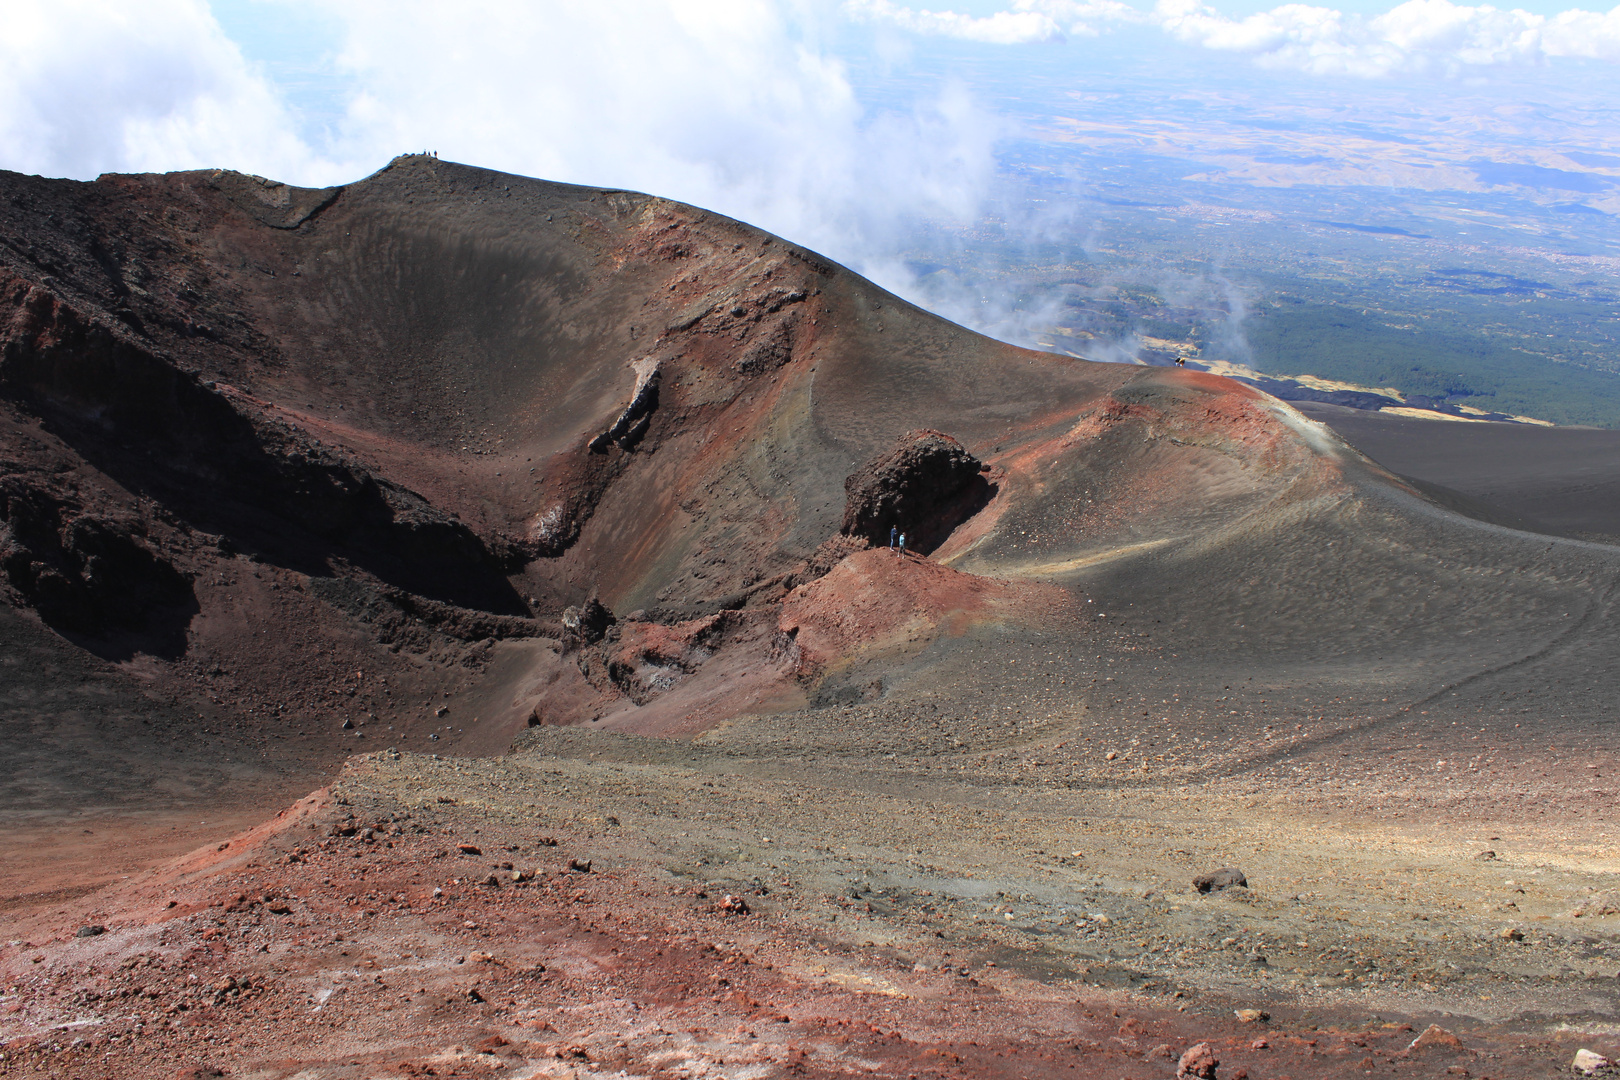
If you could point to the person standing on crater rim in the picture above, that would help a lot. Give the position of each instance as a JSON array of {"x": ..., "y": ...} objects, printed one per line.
[
  {"x": 894, "y": 531},
  {"x": 902, "y": 545}
]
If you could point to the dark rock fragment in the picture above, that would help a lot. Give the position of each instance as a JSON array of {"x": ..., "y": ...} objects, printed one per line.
[
  {"x": 588, "y": 623},
  {"x": 1225, "y": 878}
]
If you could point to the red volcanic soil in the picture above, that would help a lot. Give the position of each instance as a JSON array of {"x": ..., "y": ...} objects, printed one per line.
[
  {"x": 579, "y": 499},
  {"x": 346, "y": 939},
  {"x": 882, "y": 601}
]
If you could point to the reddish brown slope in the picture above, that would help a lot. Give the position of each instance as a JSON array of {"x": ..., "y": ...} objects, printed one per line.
[
  {"x": 350, "y": 454},
  {"x": 449, "y": 402}
]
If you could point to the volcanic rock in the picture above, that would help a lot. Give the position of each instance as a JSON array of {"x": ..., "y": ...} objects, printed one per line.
[
  {"x": 1434, "y": 1037},
  {"x": 1198, "y": 1063},
  {"x": 1216, "y": 880},
  {"x": 925, "y": 486},
  {"x": 1598, "y": 904},
  {"x": 588, "y": 623}
]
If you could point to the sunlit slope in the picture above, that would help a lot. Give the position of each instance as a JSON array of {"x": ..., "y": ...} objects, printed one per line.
[{"x": 455, "y": 403}]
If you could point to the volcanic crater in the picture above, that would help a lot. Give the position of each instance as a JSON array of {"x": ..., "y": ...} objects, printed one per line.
[{"x": 542, "y": 532}]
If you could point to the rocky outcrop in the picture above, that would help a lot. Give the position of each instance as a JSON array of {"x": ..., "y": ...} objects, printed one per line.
[
  {"x": 88, "y": 575},
  {"x": 925, "y": 486},
  {"x": 632, "y": 422},
  {"x": 587, "y": 623}
]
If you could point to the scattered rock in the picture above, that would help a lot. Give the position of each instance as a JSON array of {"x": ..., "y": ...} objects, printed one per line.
[
  {"x": 1510, "y": 933},
  {"x": 90, "y": 931},
  {"x": 1434, "y": 1037},
  {"x": 492, "y": 881},
  {"x": 1162, "y": 1052},
  {"x": 348, "y": 724},
  {"x": 1198, "y": 1063},
  {"x": 469, "y": 849},
  {"x": 580, "y": 866},
  {"x": 1589, "y": 1062},
  {"x": 1251, "y": 1016},
  {"x": 474, "y": 995},
  {"x": 1486, "y": 855},
  {"x": 1225, "y": 878},
  {"x": 1603, "y": 903},
  {"x": 732, "y": 905}
]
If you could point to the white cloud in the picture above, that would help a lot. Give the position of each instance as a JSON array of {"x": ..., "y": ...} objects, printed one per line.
[
  {"x": 1588, "y": 34},
  {"x": 1029, "y": 21},
  {"x": 729, "y": 104},
  {"x": 1002, "y": 28},
  {"x": 723, "y": 103},
  {"x": 1416, "y": 36},
  {"x": 88, "y": 87}
]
